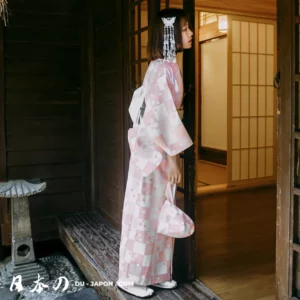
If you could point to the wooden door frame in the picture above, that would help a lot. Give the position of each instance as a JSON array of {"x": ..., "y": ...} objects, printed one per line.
[
  {"x": 3, "y": 158},
  {"x": 90, "y": 51},
  {"x": 126, "y": 84},
  {"x": 3, "y": 167},
  {"x": 284, "y": 244},
  {"x": 189, "y": 77}
]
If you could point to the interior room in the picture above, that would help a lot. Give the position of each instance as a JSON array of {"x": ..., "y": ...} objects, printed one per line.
[
  {"x": 212, "y": 126},
  {"x": 236, "y": 100},
  {"x": 236, "y": 166}
]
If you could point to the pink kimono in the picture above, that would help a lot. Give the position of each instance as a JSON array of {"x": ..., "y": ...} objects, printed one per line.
[{"x": 145, "y": 255}]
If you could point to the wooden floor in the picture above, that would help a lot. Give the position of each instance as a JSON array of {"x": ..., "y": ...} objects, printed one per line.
[
  {"x": 235, "y": 247},
  {"x": 210, "y": 174},
  {"x": 94, "y": 245},
  {"x": 235, "y": 239}
]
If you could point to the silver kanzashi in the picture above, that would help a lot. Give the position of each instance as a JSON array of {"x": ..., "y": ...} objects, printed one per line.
[{"x": 169, "y": 48}]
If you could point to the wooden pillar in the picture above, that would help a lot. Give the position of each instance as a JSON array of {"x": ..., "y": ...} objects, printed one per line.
[
  {"x": 284, "y": 158},
  {"x": 126, "y": 91},
  {"x": 3, "y": 166},
  {"x": 3, "y": 170},
  {"x": 189, "y": 155},
  {"x": 153, "y": 9},
  {"x": 91, "y": 95}
]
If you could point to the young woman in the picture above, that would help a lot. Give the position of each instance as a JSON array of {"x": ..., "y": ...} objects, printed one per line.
[{"x": 145, "y": 255}]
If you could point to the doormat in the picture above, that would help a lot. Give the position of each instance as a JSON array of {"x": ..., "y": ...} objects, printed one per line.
[{"x": 58, "y": 266}]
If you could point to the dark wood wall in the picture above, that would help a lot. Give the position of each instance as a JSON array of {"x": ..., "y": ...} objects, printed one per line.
[
  {"x": 46, "y": 106},
  {"x": 108, "y": 110}
]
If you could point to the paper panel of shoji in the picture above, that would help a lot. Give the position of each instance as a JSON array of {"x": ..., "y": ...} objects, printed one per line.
[
  {"x": 244, "y": 133},
  {"x": 270, "y": 39},
  {"x": 261, "y": 101},
  {"x": 236, "y": 165},
  {"x": 253, "y": 37},
  {"x": 245, "y": 101},
  {"x": 236, "y": 32},
  {"x": 261, "y": 162},
  {"x": 253, "y": 69},
  {"x": 236, "y": 101},
  {"x": 269, "y": 162},
  {"x": 245, "y": 37},
  {"x": 270, "y": 101},
  {"x": 251, "y": 103},
  {"x": 244, "y": 164},
  {"x": 253, "y": 100},
  {"x": 253, "y": 133},
  {"x": 253, "y": 164},
  {"x": 245, "y": 68},
  {"x": 261, "y": 38},
  {"x": 261, "y": 132}
]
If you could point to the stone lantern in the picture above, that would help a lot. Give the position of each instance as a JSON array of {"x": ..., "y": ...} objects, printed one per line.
[{"x": 23, "y": 258}]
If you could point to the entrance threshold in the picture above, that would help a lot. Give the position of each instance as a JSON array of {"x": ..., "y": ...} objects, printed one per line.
[
  {"x": 94, "y": 245},
  {"x": 224, "y": 188}
]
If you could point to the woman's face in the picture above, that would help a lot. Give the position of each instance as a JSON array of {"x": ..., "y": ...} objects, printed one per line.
[{"x": 187, "y": 36}]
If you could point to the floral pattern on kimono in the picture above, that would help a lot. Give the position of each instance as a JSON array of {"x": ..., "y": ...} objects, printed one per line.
[{"x": 145, "y": 255}]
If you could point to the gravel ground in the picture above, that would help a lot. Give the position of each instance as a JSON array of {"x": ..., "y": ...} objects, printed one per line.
[{"x": 57, "y": 265}]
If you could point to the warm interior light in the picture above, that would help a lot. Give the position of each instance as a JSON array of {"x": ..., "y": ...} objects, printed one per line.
[{"x": 222, "y": 23}]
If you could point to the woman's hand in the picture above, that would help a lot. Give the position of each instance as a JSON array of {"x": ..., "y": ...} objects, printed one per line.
[{"x": 174, "y": 174}]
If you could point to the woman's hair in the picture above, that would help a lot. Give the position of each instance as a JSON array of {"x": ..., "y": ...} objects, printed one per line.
[{"x": 155, "y": 44}]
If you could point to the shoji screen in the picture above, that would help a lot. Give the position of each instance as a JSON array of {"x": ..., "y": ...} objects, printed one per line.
[{"x": 251, "y": 100}]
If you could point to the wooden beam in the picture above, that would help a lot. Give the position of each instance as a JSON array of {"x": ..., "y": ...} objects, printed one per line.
[{"x": 3, "y": 168}]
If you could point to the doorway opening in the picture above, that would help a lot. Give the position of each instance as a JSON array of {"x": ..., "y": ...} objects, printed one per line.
[
  {"x": 212, "y": 127},
  {"x": 236, "y": 124},
  {"x": 236, "y": 155}
]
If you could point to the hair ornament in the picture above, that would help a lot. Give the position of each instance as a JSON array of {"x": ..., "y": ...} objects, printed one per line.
[{"x": 169, "y": 48}]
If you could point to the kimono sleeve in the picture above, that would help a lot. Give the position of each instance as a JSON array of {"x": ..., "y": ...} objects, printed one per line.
[{"x": 161, "y": 120}]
